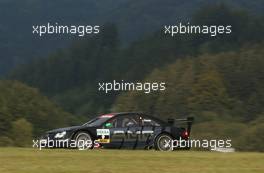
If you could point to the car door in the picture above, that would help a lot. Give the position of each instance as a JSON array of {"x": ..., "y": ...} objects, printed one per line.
[
  {"x": 117, "y": 133},
  {"x": 124, "y": 130},
  {"x": 133, "y": 130}
]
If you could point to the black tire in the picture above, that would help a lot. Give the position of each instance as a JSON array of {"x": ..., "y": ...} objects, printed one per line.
[
  {"x": 84, "y": 141},
  {"x": 163, "y": 142}
]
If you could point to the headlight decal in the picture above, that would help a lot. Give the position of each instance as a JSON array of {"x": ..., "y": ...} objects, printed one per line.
[{"x": 60, "y": 134}]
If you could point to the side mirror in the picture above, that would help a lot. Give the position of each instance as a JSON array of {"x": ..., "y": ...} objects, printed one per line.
[{"x": 130, "y": 124}]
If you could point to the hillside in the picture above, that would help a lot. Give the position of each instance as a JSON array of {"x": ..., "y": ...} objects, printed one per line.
[
  {"x": 25, "y": 111},
  {"x": 71, "y": 76}
]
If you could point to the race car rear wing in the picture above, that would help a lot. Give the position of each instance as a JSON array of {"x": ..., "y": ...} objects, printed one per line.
[{"x": 188, "y": 121}]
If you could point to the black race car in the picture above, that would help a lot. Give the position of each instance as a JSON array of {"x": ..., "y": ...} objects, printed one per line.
[{"x": 130, "y": 130}]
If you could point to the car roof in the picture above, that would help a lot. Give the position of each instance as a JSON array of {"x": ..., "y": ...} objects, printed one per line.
[{"x": 133, "y": 113}]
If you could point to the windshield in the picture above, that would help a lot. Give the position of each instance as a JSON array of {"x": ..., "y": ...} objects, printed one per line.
[{"x": 98, "y": 120}]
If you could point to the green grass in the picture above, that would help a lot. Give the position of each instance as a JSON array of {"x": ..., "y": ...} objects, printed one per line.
[{"x": 21, "y": 160}]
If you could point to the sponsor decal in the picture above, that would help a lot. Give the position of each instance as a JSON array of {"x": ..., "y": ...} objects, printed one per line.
[
  {"x": 146, "y": 120},
  {"x": 103, "y": 135},
  {"x": 104, "y": 141},
  {"x": 103, "y": 132}
]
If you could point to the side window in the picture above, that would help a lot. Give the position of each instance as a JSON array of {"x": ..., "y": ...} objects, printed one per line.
[
  {"x": 148, "y": 122},
  {"x": 111, "y": 123},
  {"x": 129, "y": 121}
]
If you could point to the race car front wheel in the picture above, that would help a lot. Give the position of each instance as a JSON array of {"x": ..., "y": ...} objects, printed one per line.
[
  {"x": 84, "y": 141},
  {"x": 163, "y": 142}
]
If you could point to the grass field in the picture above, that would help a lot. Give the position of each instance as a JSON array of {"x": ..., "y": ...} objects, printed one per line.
[{"x": 20, "y": 160}]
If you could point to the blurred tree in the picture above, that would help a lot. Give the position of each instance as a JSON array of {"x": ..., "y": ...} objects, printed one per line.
[
  {"x": 209, "y": 92},
  {"x": 20, "y": 101},
  {"x": 22, "y": 132}
]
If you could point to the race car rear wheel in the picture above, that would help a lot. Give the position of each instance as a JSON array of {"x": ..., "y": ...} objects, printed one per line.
[
  {"x": 84, "y": 141},
  {"x": 163, "y": 142}
]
